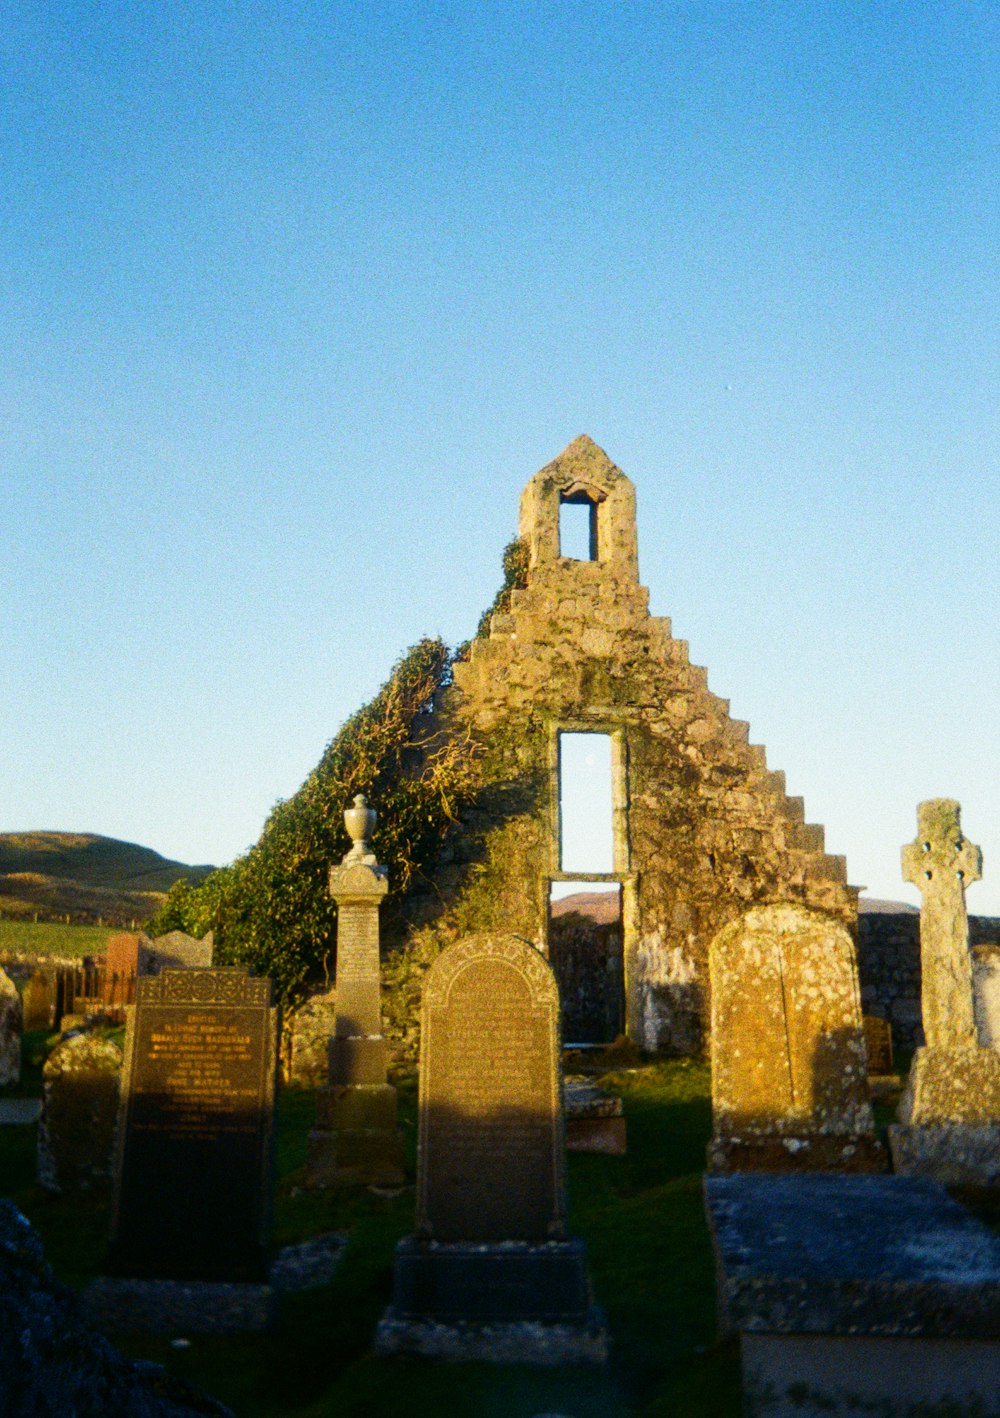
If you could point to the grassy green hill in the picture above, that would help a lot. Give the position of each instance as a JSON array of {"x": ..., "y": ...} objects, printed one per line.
[{"x": 87, "y": 878}]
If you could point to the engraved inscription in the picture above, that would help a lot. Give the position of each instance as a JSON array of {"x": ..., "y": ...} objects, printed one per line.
[
  {"x": 204, "y": 1065},
  {"x": 192, "y": 1192},
  {"x": 491, "y": 1142}
]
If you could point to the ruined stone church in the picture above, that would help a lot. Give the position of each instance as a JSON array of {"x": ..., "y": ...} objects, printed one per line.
[{"x": 702, "y": 828}]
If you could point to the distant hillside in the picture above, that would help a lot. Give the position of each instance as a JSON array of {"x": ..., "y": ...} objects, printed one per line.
[{"x": 88, "y": 878}]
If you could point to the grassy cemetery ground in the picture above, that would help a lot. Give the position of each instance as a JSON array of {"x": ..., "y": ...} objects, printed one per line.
[{"x": 641, "y": 1217}]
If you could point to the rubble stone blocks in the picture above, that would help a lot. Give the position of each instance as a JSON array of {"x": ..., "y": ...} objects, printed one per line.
[
  {"x": 986, "y": 993},
  {"x": 789, "y": 1074},
  {"x": 307, "y": 1036},
  {"x": 11, "y": 1023},
  {"x": 175, "y": 951},
  {"x": 898, "y": 1316},
  {"x": 39, "y": 1000},
  {"x": 491, "y": 1273},
  {"x": 702, "y": 828},
  {"x": 81, "y": 1079},
  {"x": 356, "y": 1138},
  {"x": 949, "y": 1115},
  {"x": 197, "y": 1128}
]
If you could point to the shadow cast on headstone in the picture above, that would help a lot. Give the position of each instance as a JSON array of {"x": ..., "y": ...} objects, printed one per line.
[{"x": 192, "y": 1192}]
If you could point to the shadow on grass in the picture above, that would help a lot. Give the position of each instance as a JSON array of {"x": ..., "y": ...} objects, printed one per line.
[{"x": 642, "y": 1220}]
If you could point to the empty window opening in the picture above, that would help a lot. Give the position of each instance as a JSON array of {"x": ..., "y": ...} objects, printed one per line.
[
  {"x": 586, "y": 831},
  {"x": 578, "y": 528},
  {"x": 585, "y": 951}
]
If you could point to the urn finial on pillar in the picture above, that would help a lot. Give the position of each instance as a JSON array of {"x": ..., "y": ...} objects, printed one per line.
[{"x": 360, "y": 822}]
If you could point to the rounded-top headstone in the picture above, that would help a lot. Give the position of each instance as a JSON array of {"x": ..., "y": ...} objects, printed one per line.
[{"x": 490, "y": 1162}]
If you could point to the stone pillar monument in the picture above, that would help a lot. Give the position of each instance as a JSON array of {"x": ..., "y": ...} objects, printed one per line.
[
  {"x": 949, "y": 1115},
  {"x": 355, "y": 1138}
]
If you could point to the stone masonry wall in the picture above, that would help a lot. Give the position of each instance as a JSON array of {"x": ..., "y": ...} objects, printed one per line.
[{"x": 703, "y": 829}]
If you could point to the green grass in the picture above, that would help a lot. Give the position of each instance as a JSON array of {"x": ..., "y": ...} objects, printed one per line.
[
  {"x": 44, "y": 938},
  {"x": 641, "y": 1217}
]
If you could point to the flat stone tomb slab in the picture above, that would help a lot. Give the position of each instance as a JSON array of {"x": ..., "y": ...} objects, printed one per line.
[
  {"x": 193, "y": 1173},
  {"x": 857, "y": 1294}
]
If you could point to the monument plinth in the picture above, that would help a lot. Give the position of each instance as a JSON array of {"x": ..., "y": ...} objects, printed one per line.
[{"x": 355, "y": 1138}]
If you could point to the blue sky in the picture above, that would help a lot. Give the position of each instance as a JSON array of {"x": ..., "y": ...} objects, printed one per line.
[{"x": 296, "y": 298}]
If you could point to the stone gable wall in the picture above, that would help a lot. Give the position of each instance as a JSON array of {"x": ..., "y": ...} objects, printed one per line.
[{"x": 702, "y": 828}]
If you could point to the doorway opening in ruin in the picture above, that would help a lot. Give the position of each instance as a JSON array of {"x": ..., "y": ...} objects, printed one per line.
[
  {"x": 577, "y": 527},
  {"x": 585, "y": 900},
  {"x": 585, "y": 952}
]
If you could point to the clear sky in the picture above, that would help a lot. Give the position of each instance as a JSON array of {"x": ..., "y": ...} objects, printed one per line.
[{"x": 295, "y": 298}]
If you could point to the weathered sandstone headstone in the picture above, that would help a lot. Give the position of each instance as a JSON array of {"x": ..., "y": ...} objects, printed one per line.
[
  {"x": 355, "y": 1138},
  {"x": 949, "y": 1114},
  {"x": 197, "y": 1125},
  {"x": 789, "y": 1075},
  {"x": 986, "y": 993},
  {"x": 11, "y": 1023},
  {"x": 39, "y": 1000},
  {"x": 76, "y": 1135},
  {"x": 491, "y": 1273},
  {"x": 175, "y": 951}
]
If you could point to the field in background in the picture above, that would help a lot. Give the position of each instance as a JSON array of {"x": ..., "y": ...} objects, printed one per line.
[
  {"x": 84, "y": 879},
  {"x": 50, "y": 938}
]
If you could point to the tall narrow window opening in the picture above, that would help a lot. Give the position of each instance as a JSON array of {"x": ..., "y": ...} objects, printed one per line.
[
  {"x": 586, "y": 831},
  {"x": 578, "y": 528}
]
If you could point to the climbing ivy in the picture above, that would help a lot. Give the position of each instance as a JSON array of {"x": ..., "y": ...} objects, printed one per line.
[{"x": 271, "y": 910}]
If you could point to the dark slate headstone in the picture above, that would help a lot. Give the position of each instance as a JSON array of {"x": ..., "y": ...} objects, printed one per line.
[
  {"x": 193, "y": 1176},
  {"x": 490, "y": 1274},
  {"x": 491, "y": 1149}
]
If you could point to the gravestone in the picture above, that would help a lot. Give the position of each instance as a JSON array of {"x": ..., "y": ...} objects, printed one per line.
[
  {"x": 196, "y": 1128},
  {"x": 986, "y": 993},
  {"x": 175, "y": 951},
  {"x": 121, "y": 955},
  {"x": 39, "y": 1001},
  {"x": 949, "y": 1114},
  {"x": 878, "y": 1044},
  {"x": 355, "y": 1138},
  {"x": 491, "y": 1273},
  {"x": 80, "y": 1083},
  {"x": 857, "y": 1296},
  {"x": 789, "y": 1074},
  {"x": 11, "y": 1022},
  {"x": 941, "y": 863}
]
